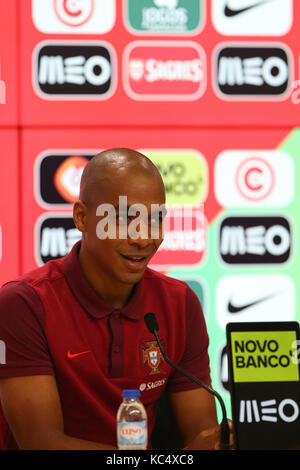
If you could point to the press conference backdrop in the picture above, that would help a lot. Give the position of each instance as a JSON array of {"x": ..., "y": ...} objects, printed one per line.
[{"x": 209, "y": 90}]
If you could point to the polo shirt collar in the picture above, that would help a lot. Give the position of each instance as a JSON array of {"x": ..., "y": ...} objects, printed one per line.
[{"x": 89, "y": 298}]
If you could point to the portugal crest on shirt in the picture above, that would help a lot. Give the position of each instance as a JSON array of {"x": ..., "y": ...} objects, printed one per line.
[{"x": 152, "y": 356}]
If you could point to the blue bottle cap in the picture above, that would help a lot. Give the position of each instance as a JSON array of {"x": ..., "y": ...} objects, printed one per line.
[{"x": 131, "y": 393}]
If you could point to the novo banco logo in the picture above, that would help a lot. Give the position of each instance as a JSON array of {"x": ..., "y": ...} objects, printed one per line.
[{"x": 184, "y": 173}]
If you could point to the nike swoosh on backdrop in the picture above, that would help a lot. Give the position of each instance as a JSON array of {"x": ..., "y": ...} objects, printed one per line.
[
  {"x": 236, "y": 309},
  {"x": 70, "y": 355},
  {"x": 229, "y": 12}
]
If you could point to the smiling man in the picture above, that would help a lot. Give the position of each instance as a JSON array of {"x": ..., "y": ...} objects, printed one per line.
[{"x": 74, "y": 329}]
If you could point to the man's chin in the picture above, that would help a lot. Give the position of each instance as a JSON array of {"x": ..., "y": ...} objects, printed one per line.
[{"x": 132, "y": 278}]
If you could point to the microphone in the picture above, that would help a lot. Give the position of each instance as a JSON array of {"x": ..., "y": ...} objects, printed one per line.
[{"x": 152, "y": 325}]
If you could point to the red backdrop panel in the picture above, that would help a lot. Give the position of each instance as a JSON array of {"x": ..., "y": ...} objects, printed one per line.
[
  {"x": 53, "y": 96},
  {"x": 49, "y": 180},
  {"x": 10, "y": 234},
  {"x": 8, "y": 63}
]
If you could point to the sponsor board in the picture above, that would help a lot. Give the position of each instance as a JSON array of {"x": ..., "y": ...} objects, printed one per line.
[
  {"x": 251, "y": 240},
  {"x": 254, "y": 178},
  {"x": 184, "y": 243},
  {"x": 54, "y": 236},
  {"x": 57, "y": 176},
  {"x": 175, "y": 17},
  {"x": 255, "y": 298},
  {"x": 263, "y": 356},
  {"x": 74, "y": 16},
  {"x": 271, "y": 410},
  {"x": 164, "y": 70},
  {"x": 74, "y": 70},
  {"x": 252, "y": 71},
  {"x": 248, "y": 17},
  {"x": 184, "y": 173}
]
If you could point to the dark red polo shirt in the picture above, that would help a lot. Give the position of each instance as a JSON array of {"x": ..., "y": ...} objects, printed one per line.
[{"x": 53, "y": 322}]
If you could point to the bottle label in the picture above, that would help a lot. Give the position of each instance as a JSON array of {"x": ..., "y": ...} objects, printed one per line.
[{"x": 132, "y": 433}]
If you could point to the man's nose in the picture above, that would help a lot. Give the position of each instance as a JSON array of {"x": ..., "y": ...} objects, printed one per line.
[{"x": 141, "y": 237}]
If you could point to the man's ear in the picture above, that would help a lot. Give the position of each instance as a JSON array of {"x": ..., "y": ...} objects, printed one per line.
[{"x": 80, "y": 215}]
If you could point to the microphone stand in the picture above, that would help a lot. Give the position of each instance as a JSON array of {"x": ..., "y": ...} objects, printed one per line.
[{"x": 224, "y": 429}]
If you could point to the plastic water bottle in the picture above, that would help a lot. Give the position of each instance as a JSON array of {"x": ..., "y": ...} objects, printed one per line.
[{"x": 132, "y": 429}]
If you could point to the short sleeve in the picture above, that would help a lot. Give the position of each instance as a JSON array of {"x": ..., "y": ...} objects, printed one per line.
[
  {"x": 23, "y": 344},
  {"x": 195, "y": 359}
]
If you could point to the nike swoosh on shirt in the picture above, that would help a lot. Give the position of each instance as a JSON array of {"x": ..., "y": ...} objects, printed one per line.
[
  {"x": 229, "y": 12},
  {"x": 236, "y": 309},
  {"x": 70, "y": 355}
]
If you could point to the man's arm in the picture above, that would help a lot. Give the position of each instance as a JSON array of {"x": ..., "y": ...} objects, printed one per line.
[
  {"x": 32, "y": 408},
  {"x": 196, "y": 416},
  {"x": 193, "y": 407}
]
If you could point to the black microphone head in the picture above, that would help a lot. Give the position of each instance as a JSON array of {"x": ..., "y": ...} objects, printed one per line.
[{"x": 151, "y": 322}]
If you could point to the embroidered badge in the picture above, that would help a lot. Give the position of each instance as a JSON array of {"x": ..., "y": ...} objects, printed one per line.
[{"x": 152, "y": 356}]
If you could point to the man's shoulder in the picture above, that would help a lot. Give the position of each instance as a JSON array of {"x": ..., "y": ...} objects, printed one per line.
[
  {"x": 151, "y": 276},
  {"x": 49, "y": 272}
]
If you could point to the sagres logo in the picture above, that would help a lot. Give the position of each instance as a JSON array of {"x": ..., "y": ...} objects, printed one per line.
[
  {"x": 253, "y": 71},
  {"x": 248, "y": 17},
  {"x": 184, "y": 173},
  {"x": 164, "y": 16},
  {"x": 164, "y": 70},
  {"x": 254, "y": 178},
  {"x": 255, "y": 240},
  {"x": 74, "y": 70},
  {"x": 152, "y": 357},
  {"x": 271, "y": 411},
  {"x": 2, "y": 89},
  {"x": 57, "y": 176},
  {"x": 74, "y": 16},
  {"x": 252, "y": 297},
  {"x": 184, "y": 243},
  {"x": 55, "y": 235}
]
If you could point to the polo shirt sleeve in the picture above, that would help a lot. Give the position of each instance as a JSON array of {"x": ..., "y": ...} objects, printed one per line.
[
  {"x": 23, "y": 344},
  {"x": 195, "y": 359}
]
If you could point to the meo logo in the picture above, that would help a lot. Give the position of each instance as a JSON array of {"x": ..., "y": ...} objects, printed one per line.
[
  {"x": 250, "y": 70},
  {"x": 268, "y": 411},
  {"x": 82, "y": 70}
]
